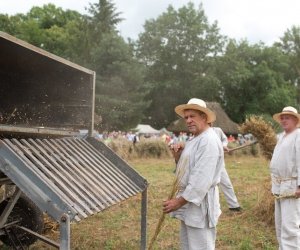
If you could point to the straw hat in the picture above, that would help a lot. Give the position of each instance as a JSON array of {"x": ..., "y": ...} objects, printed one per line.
[
  {"x": 287, "y": 111},
  {"x": 196, "y": 104}
]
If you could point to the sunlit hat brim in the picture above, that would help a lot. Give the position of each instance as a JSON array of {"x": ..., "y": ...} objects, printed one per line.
[
  {"x": 211, "y": 117},
  {"x": 276, "y": 117}
]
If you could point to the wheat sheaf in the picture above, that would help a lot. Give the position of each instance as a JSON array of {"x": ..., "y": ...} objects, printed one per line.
[{"x": 262, "y": 131}]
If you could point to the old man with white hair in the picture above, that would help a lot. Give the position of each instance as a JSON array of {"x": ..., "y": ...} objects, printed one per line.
[
  {"x": 285, "y": 173},
  {"x": 200, "y": 164}
]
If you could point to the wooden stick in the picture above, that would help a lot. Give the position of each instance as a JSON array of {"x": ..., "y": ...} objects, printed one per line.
[
  {"x": 240, "y": 147},
  {"x": 172, "y": 194}
]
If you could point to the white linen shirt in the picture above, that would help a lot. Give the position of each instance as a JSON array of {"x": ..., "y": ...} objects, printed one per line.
[
  {"x": 221, "y": 135},
  {"x": 285, "y": 164},
  {"x": 201, "y": 162}
]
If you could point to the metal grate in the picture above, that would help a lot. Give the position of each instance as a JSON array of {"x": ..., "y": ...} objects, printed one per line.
[{"x": 88, "y": 179}]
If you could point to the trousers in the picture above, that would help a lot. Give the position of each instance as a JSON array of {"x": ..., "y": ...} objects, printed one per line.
[
  {"x": 287, "y": 223},
  {"x": 192, "y": 238},
  {"x": 227, "y": 189}
]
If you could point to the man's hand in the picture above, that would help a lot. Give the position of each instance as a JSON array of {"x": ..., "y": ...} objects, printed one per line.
[
  {"x": 177, "y": 150},
  {"x": 173, "y": 204},
  {"x": 226, "y": 149}
]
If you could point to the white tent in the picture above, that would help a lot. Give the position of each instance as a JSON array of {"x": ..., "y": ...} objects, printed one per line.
[
  {"x": 145, "y": 129},
  {"x": 165, "y": 131}
]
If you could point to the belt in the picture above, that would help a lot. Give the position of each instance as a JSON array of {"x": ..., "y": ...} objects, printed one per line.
[
  {"x": 278, "y": 180},
  {"x": 285, "y": 196}
]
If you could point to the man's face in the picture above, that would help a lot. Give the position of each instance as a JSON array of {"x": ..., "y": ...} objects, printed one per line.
[
  {"x": 195, "y": 121},
  {"x": 288, "y": 122}
]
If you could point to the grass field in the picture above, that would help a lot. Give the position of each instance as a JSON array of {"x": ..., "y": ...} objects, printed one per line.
[{"x": 119, "y": 226}]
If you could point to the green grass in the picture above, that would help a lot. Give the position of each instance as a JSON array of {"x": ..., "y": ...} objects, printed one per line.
[{"x": 119, "y": 226}]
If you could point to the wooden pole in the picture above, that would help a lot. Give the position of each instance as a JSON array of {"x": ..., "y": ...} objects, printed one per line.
[{"x": 240, "y": 147}]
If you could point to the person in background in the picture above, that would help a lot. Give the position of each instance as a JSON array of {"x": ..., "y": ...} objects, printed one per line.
[
  {"x": 241, "y": 139},
  {"x": 200, "y": 163},
  {"x": 136, "y": 138},
  {"x": 285, "y": 173},
  {"x": 231, "y": 138},
  {"x": 225, "y": 183}
]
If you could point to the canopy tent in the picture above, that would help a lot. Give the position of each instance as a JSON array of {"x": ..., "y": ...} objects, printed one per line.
[
  {"x": 165, "y": 131},
  {"x": 145, "y": 129}
]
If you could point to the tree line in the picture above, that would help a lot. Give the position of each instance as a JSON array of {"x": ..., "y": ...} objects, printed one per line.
[{"x": 179, "y": 55}]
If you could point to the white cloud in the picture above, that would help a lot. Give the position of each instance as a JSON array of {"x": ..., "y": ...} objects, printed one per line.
[{"x": 254, "y": 20}]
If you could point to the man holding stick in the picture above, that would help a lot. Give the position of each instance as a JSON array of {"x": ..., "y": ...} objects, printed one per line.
[
  {"x": 199, "y": 166},
  {"x": 285, "y": 173}
]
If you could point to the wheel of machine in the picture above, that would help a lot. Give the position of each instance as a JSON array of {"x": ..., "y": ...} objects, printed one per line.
[{"x": 29, "y": 216}]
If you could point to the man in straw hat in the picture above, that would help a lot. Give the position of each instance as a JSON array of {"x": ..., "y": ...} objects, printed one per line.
[
  {"x": 285, "y": 173},
  {"x": 199, "y": 169}
]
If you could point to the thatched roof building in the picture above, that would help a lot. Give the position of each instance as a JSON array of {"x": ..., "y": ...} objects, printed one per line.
[{"x": 222, "y": 121}]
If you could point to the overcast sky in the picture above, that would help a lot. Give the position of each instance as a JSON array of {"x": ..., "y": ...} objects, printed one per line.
[{"x": 254, "y": 20}]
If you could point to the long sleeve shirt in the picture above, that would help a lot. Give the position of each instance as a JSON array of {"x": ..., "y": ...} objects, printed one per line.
[
  {"x": 285, "y": 164},
  {"x": 201, "y": 163},
  {"x": 221, "y": 135}
]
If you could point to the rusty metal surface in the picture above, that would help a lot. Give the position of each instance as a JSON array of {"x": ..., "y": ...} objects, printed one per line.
[{"x": 84, "y": 178}]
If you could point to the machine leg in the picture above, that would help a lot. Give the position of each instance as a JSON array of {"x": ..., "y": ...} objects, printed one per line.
[
  {"x": 144, "y": 220},
  {"x": 65, "y": 232}
]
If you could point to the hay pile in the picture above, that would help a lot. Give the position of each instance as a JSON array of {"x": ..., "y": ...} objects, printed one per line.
[
  {"x": 123, "y": 148},
  {"x": 264, "y": 209},
  {"x": 262, "y": 131},
  {"x": 50, "y": 226},
  {"x": 266, "y": 137},
  {"x": 145, "y": 148}
]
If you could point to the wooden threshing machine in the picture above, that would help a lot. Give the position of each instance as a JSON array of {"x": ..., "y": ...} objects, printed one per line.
[{"x": 44, "y": 167}]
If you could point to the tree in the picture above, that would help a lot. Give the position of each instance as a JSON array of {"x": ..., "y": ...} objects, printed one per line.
[
  {"x": 178, "y": 50},
  {"x": 290, "y": 45},
  {"x": 47, "y": 27},
  {"x": 104, "y": 18},
  {"x": 8, "y": 24},
  {"x": 119, "y": 93},
  {"x": 254, "y": 80}
]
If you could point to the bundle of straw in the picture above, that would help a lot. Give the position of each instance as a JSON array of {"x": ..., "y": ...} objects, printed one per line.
[
  {"x": 174, "y": 190},
  {"x": 266, "y": 137},
  {"x": 263, "y": 132},
  {"x": 264, "y": 208}
]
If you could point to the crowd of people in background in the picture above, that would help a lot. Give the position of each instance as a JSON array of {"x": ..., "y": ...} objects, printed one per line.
[{"x": 168, "y": 137}]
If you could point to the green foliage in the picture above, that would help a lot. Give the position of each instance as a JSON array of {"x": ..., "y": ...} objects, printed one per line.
[
  {"x": 254, "y": 80},
  {"x": 290, "y": 45},
  {"x": 119, "y": 94},
  {"x": 178, "y": 49},
  {"x": 104, "y": 18},
  {"x": 46, "y": 27}
]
